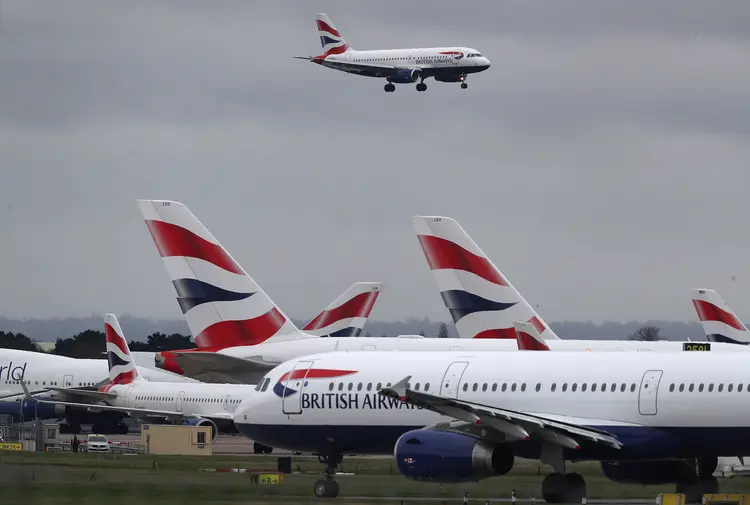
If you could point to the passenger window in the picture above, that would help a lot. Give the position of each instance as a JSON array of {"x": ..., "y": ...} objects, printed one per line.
[
  {"x": 593, "y": 387},
  {"x": 622, "y": 387},
  {"x": 475, "y": 387},
  {"x": 553, "y": 387},
  {"x": 691, "y": 387},
  {"x": 523, "y": 387},
  {"x": 484, "y": 387},
  {"x": 427, "y": 386},
  {"x": 583, "y": 387},
  {"x": 574, "y": 387},
  {"x": 379, "y": 387},
  {"x": 494, "y": 388},
  {"x": 513, "y": 387},
  {"x": 721, "y": 388},
  {"x": 359, "y": 386},
  {"x": 330, "y": 386},
  {"x": 565, "y": 387},
  {"x": 632, "y": 388},
  {"x": 614, "y": 387},
  {"x": 730, "y": 387},
  {"x": 341, "y": 386},
  {"x": 505, "y": 387},
  {"x": 739, "y": 388},
  {"x": 416, "y": 388},
  {"x": 700, "y": 388},
  {"x": 671, "y": 388},
  {"x": 351, "y": 386},
  {"x": 604, "y": 388},
  {"x": 682, "y": 388},
  {"x": 466, "y": 387},
  {"x": 538, "y": 386},
  {"x": 710, "y": 388}
]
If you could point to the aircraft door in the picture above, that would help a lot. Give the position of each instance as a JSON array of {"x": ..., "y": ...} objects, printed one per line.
[
  {"x": 68, "y": 381},
  {"x": 648, "y": 392},
  {"x": 449, "y": 386},
  {"x": 292, "y": 386},
  {"x": 456, "y": 58},
  {"x": 226, "y": 402},
  {"x": 178, "y": 403}
]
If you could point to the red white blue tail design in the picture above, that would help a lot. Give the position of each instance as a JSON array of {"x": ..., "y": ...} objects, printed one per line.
[
  {"x": 482, "y": 302},
  {"x": 122, "y": 369},
  {"x": 529, "y": 338},
  {"x": 718, "y": 320},
  {"x": 330, "y": 37},
  {"x": 347, "y": 314},
  {"x": 222, "y": 304}
]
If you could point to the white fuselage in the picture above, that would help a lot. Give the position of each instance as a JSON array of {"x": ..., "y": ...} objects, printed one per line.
[
  {"x": 432, "y": 60},
  {"x": 658, "y": 404}
]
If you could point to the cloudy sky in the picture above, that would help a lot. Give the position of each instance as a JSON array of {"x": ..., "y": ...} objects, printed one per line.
[{"x": 602, "y": 161}]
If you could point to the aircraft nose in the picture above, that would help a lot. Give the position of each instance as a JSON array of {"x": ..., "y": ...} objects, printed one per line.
[{"x": 486, "y": 61}]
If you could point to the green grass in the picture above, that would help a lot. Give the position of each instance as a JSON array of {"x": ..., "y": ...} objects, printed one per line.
[{"x": 83, "y": 479}]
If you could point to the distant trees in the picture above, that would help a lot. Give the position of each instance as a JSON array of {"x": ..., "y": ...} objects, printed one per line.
[
  {"x": 442, "y": 331},
  {"x": 646, "y": 334},
  {"x": 157, "y": 342},
  {"x": 87, "y": 344},
  {"x": 17, "y": 341}
]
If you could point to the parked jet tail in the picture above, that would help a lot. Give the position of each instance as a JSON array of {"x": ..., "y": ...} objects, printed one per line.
[
  {"x": 719, "y": 322},
  {"x": 223, "y": 305},
  {"x": 122, "y": 369},
  {"x": 347, "y": 314},
  {"x": 482, "y": 302},
  {"x": 529, "y": 338}
]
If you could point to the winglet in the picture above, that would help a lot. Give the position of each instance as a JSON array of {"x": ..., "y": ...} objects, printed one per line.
[
  {"x": 26, "y": 392},
  {"x": 400, "y": 388},
  {"x": 529, "y": 338}
]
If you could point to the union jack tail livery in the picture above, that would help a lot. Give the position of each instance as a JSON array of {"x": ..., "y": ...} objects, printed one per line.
[
  {"x": 718, "y": 320},
  {"x": 347, "y": 314},
  {"x": 222, "y": 304},
  {"x": 482, "y": 302},
  {"x": 122, "y": 369},
  {"x": 330, "y": 37},
  {"x": 529, "y": 338}
]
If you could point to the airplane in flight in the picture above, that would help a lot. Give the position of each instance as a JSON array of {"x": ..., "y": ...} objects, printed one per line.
[
  {"x": 241, "y": 333},
  {"x": 718, "y": 320},
  {"x": 397, "y": 66},
  {"x": 649, "y": 418},
  {"x": 127, "y": 392},
  {"x": 61, "y": 377}
]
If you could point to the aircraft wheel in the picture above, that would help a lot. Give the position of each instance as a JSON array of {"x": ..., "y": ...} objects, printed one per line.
[
  {"x": 421, "y": 87},
  {"x": 695, "y": 489},
  {"x": 705, "y": 467},
  {"x": 554, "y": 488},
  {"x": 326, "y": 488},
  {"x": 576, "y": 488},
  {"x": 464, "y": 85},
  {"x": 389, "y": 88}
]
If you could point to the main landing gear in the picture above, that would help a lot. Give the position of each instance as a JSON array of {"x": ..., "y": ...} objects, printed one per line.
[
  {"x": 702, "y": 482},
  {"x": 563, "y": 488},
  {"x": 328, "y": 487},
  {"x": 261, "y": 449},
  {"x": 421, "y": 86},
  {"x": 389, "y": 88}
]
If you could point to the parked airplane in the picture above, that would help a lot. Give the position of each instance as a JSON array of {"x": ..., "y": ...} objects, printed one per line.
[
  {"x": 241, "y": 333},
  {"x": 456, "y": 416},
  {"x": 719, "y": 321},
  {"x": 399, "y": 66},
  {"x": 64, "y": 378},
  {"x": 129, "y": 393}
]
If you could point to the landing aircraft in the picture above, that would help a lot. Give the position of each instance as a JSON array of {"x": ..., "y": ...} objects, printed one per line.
[
  {"x": 650, "y": 418},
  {"x": 397, "y": 66}
]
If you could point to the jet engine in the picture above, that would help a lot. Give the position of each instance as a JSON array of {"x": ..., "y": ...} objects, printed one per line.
[
  {"x": 200, "y": 421},
  {"x": 444, "y": 456},
  {"x": 405, "y": 76}
]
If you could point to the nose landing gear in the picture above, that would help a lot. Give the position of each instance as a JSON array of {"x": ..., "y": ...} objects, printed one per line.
[
  {"x": 328, "y": 487},
  {"x": 421, "y": 86}
]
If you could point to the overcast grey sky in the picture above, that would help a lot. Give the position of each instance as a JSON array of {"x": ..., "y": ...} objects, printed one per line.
[{"x": 602, "y": 161}]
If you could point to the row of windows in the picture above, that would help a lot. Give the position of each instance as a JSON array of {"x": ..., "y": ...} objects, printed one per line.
[
  {"x": 360, "y": 386},
  {"x": 719, "y": 388},
  {"x": 52, "y": 383},
  {"x": 186, "y": 399},
  {"x": 402, "y": 58}
]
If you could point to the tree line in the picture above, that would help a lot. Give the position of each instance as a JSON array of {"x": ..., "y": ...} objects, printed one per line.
[{"x": 91, "y": 343}]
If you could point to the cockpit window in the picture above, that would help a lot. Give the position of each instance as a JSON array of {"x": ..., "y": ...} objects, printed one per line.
[
  {"x": 265, "y": 385},
  {"x": 260, "y": 383}
]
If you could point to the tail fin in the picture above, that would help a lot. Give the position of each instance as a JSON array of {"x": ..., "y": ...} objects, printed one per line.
[
  {"x": 122, "y": 369},
  {"x": 347, "y": 314},
  {"x": 223, "y": 305},
  {"x": 481, "y": 301},
  {"x": 330, "y": 37},
  {"x": 718, "y": 320},
  {"x": 529, "y": 338}
]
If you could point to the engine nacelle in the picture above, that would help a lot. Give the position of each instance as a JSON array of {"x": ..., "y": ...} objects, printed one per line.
[
  {"x": 199, "y": 421},
  {"x": 23, "y": 409},
  {"x": 405, "y": 76},
  {"x": 445, "y": 456},
  {"x": 647, "y": 472}
]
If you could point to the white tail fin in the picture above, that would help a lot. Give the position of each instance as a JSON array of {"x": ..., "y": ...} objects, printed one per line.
[
  {"x": 223, "y": 305},
  {"x": 122, "y": 369},
  {"x": 330, "y": 37},
  {"x": 719, "y": 322},
  {"x": 481, "y": 301},
  {"x": 347, "y": 314},
  {"x": 529, "y": 338}
]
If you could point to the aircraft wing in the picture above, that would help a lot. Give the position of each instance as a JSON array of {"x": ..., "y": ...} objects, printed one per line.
[
  {"x": 366, "y": 69},
  {"x": 130, "y": 411},
  {"x": 99, "y": 396},
  {"x": 512, "y": 424},
  {"x": 223, "y": 369}
]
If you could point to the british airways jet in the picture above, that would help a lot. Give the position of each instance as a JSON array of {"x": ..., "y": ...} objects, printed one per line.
[
  {"x": 397, "y": 66},
  {"x": 650, "y": 418}
]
